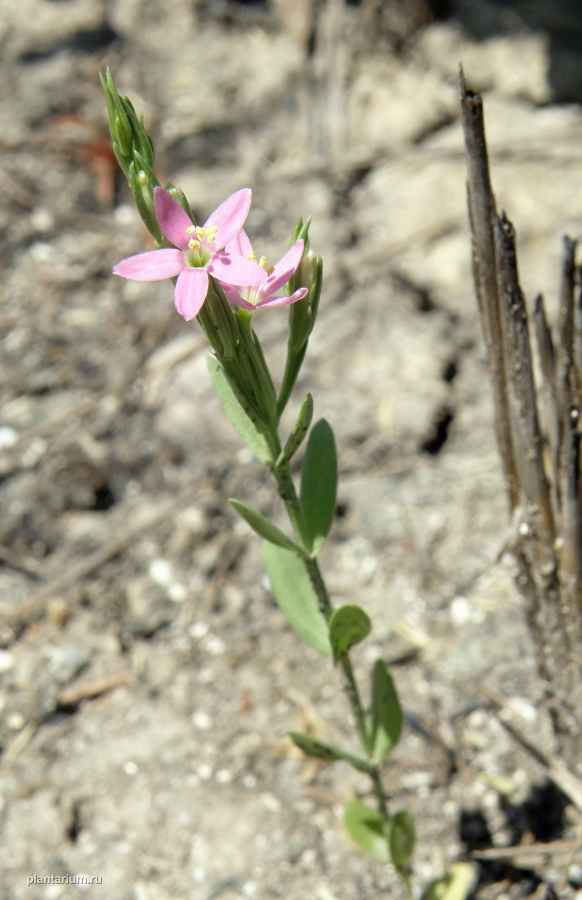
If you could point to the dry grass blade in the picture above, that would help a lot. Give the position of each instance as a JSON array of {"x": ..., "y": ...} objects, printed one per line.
[
  {"x": 481, "y": 217},
  {"x": 519, "y": 379},
  {"x": 546, "y": 485}
]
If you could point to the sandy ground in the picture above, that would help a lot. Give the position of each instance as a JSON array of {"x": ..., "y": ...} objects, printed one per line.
[{"x": 145, "y": 702}]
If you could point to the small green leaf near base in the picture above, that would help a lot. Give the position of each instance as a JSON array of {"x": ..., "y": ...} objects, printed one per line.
[
  {"x": 322, "y": 750},
  {"x": 365, "y": 827},
  {"x": 348, "y": 626}
]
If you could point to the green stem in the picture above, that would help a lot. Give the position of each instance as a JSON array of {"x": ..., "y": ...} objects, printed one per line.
[
  {"x": 351, "y": 688},
  {"x": 292, "y": 367},
  {"x": 379, "y": 793},
  {"x": 289, "y": 496}
]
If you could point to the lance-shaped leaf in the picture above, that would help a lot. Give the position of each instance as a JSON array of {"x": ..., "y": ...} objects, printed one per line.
[
  {"x": 264, "y": 527},
  {"x": 365, "y": 827},
  {"x": 385, "y": 714},
  {"x": 402, "y": 838},
  {"x": 296, "y": 597},
  {"x": 239, "y": 418},
  {"x": 299, "y": 431},
  {"x": 322, "y": 750},
  {"x": 348, "y": 626},
  {"x": 319, "y": 484}
]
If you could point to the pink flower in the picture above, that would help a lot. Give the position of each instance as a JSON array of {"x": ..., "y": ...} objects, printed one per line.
[
  {"x": 250, "y": 296},
  {"x": 198, "y": 251}
]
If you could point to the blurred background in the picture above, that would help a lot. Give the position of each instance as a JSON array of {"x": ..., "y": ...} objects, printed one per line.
[{"x": 147, "y": 679}]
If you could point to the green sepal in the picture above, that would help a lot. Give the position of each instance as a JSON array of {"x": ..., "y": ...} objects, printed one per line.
[
  {"x": 348, "y": 626},
  {"x": 402, "y": 838},
  {"x": 301, "y": 233},
  {"x": 264, "y": 527},
  {"x": 179, "y": 195},
  {"x": 366, "y": 828},
  {"x": 296, "y": 597},
  {"x": 319, "y": 485},
  {"x": 300, "y": 429},
  {"x": 322, "y": 750},
  {"x": 241, "y": 417},
  {"x": 386, "y": 713}
]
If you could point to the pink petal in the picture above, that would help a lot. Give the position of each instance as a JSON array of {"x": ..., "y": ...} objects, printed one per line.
[
  {"x": 235, "y": 297},
  {"x": 236, "y": 270},
  {"x": 190, "y": 293},
  {"x": 283, "y": 271},
  {"x": 152, "y": 266},
  {"x": 171, "y": 218},
  {"x": 230, "y": 216},
  {"x": 240, "y": 244},
  {"x": 284, "y": 301}
]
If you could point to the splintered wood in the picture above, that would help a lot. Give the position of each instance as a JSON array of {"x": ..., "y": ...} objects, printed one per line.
[{"x": 537, "y": 411}]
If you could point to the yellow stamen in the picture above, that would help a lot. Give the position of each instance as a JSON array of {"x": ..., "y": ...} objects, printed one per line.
[
  {"x": 191, "y": 229},
  {"x": 193, "y": 245},
  {"x": 252, "y": 256},
  {"x": 263, "y": 262},
  {"x": 270, "y": 270}
]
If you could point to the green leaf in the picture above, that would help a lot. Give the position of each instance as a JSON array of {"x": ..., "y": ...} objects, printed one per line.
[
  {"x": 299, "y": 431},
  {"x": 322, "y": 750},
  {"x": 456, "y": 884},
  {"x": 386, "y": 713},
  {"x": 296, "y": 597},
  {"x": 239, "y": 417},
  {"x": 319, "y": 484},
  {"x": 348, "y": 626},
  {"x": 263, "y": 526},
  {"x": 365, "y": 827},
  {"x": 402, "y": 838}
]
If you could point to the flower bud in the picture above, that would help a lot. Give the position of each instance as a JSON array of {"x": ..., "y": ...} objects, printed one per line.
[
  {"x": 302, "y": 314},
  {"x": 132, "y": 145},
  {"x": 142, "y": 182}
]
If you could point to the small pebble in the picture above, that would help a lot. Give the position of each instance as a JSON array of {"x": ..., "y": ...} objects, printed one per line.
[
  {"x": 199, "y": 630},
  {"x": 460, "y": 611},
  {"x": 215, "y": 645},
  {"x": 8, "y": 436},
  {"x": 202, "y": 720},
  {"x": 6, "y": 661},
  {"x": 160, "y": 571},
  {"x": 177, "y": 592},
  {"x": 58, "y": 612},
  {"x": 15, "y": 721}
]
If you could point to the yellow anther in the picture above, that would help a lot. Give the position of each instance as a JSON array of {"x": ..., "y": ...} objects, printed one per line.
[
  {"x": 193, "y": 244},
  {"x": 252, "y": 256},
  {"x": 270, "y": 270},
  {"x": 191, "y": 229},
  {"x": 212, "y": 229},
  {"x": 263, "y": 262}
]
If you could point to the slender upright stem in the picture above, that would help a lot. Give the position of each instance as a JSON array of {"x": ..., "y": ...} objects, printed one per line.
[{"x": 289, "y": 496}]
